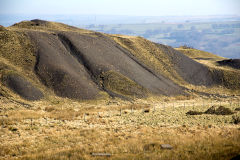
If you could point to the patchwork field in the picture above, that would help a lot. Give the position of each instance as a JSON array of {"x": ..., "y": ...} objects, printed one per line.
[{"x": 219, "y": 37}]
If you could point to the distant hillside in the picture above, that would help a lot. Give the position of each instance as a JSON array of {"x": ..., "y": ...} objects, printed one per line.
[{"x": 40, "y": 59}]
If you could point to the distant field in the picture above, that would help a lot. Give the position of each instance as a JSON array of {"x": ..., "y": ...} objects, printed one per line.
[{"x": 222, "y": 38}]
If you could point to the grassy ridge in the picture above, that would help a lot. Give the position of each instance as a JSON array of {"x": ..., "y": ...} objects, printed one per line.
[{"x": 194, "y": 54}]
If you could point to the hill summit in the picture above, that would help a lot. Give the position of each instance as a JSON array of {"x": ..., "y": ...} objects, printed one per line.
[{"x": 40, "y": 58}]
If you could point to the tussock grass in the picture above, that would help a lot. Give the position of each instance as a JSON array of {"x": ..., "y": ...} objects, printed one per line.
[
  {"x": 60, "y": 131},
  {"x": 17, "y": 49},
  {"x": 122, "y": 85},
  {"x": 24, "y": 114},
  {"x": 62, "y": 114},
  {"x": 231, "y": 79},
  {"x": 194, "y": 53},
  {"x": 47, "y": 27}
]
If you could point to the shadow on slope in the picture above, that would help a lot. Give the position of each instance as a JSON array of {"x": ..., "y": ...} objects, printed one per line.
[
  {"x": 234, "y": 63},
  {"x": 190, "y": 70},
  {"x": 224, "y": 76},
  {"x": 22, "y": 87}
]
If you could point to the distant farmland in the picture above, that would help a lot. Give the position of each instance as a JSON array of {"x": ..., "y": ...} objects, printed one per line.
[{"x": 222, "y": 38}]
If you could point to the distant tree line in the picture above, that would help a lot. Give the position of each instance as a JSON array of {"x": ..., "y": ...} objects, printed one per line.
[
  {"x": 221, "y": 26},
  {"x": 123, "y": 31},
  {"x": 150, "y": 32}
]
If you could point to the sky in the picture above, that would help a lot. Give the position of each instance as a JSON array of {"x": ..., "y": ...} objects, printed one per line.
[{"x": 122, "y": 7}]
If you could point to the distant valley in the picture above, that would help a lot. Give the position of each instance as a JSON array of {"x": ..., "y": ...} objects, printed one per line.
[{"x": 221, "y": 38}]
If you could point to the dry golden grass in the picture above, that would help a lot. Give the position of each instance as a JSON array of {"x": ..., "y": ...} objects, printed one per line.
[
  {"x": 47, "y": 27},
  {"x": 194, "y": 53},
  {"x": 122, "y": 85},
  {"x": 73, "y": 130},
  {"x": 16, "y": 48}
]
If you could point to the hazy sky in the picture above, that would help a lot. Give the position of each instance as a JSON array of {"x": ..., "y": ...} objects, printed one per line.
[{"x": 121, "y": 7}]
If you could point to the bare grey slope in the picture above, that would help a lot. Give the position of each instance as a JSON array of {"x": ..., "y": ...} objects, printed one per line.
[
  {"x": 70, "y": 63},
  {"x": 61, "y": 71},
  {"x": 191, "y": 71}
]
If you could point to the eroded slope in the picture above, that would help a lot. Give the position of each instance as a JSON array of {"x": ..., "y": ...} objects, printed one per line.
[
  {"x": 168, "y": 61},
  {"x": 81, "y": 64}
]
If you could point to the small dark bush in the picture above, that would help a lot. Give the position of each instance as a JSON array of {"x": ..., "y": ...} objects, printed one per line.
[
  {"x": 237, "y": 109},
  {"x": 186, "y": 47},
  {"x": 236, "y": 119},
  {"x": 194, "y": 113},
  {"x": 50, "y": 109},
  {"x": 213, "y": 110},
  {"x": 146, "y": 110},
  {"x": 219, "y": 110}
]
